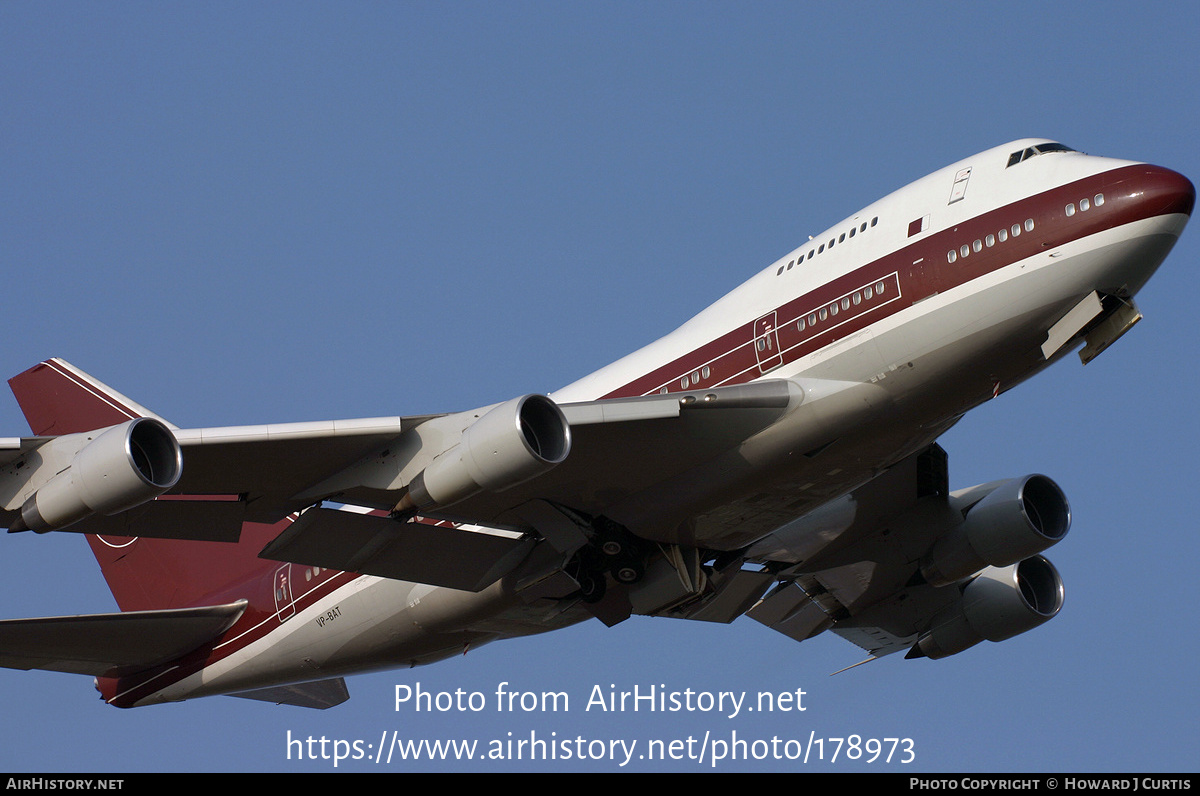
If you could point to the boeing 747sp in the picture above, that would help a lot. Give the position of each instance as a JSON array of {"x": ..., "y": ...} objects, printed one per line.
[{"x": 776, "y": 456}]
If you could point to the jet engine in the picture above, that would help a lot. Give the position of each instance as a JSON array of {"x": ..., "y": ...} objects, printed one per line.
[
  {"x": 1017, "y": 519},
  {"x": 510, "y": 444},
  {"x": 122, "y": 467},
  {"x": 998, "y": 604}
]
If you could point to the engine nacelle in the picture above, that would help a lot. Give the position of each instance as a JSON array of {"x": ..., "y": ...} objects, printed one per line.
[
  {"x": 513, "y": 442},
  {"x": 1017, "y": 519},
  {"x": 998, "y": 604},
  {"x": 124, "y": 466}
]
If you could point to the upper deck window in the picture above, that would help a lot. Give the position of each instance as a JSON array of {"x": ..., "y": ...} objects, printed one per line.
[{"x": 1034, "y": 151}]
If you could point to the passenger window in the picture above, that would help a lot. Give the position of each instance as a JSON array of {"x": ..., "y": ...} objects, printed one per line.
[
  {"x": 1084, "y": 205},
  {"x": 1070, "y": 209},
  {"x": 1029, "y": 225}
]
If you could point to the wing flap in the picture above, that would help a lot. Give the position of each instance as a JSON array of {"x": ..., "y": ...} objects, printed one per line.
[
  {"x": 216, "y": 519},
  {"x": 876, "y": 640},
  {"x": 112, "y": 644},
  {"x": 416, "y": 551},
  {"x": 792, "y": 612}
]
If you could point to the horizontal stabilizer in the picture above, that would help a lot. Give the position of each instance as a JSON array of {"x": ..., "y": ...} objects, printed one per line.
[
  {"x": 320, "y": 695},
  {"x": 111, "y": 645},
  {"x": 412, "y": 551}
]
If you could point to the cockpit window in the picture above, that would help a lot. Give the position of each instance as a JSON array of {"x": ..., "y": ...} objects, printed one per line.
[{"x": 1034, "y": 151}]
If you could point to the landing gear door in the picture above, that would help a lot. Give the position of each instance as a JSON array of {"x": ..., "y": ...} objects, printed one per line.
[{"x": 766, "y": 343}]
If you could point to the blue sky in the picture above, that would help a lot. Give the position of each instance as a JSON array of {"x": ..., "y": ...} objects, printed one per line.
[{"x": 246, "y": 213}]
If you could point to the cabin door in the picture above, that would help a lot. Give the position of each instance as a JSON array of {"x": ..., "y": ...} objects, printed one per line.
[{"x": 766, "y": 343}]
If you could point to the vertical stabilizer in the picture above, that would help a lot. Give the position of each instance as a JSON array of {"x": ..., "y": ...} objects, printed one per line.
[{"x": 58, "y": 398}]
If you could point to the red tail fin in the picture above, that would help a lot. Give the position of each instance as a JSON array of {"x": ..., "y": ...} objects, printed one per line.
[{"x": 58, "y": 398}]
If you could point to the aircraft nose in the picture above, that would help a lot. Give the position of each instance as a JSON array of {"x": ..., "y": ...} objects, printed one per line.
[{"x": 1165, "y": 192}]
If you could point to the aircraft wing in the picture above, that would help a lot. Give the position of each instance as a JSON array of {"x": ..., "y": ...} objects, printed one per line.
[{"x": 618, "y": 449}]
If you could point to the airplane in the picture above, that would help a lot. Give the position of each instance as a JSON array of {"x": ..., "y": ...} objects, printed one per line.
[{"x": 776, "y": 457}]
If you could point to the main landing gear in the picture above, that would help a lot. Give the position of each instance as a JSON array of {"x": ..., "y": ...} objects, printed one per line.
[{"x": 613, "y": 551}]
